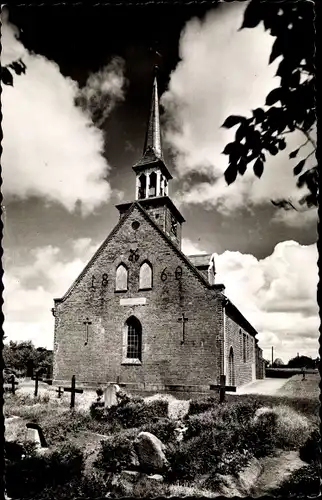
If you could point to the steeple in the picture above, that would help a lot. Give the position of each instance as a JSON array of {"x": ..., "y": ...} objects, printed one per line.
[
  {"x": 152, "y": 175},
  {"x": 153, "y": 134}
]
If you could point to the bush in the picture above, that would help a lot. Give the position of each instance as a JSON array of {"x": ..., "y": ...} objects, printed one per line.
[
  {"x": 134, "y": 413},
  {"x": 310, "y": 452},
  {"x": 117, "y": 451},
  {"x": 163, "y": 429},
  {"x": 28, "y": 476},
  {"x": 302, "y": 483},
  {"x": 201, "y": 405}
]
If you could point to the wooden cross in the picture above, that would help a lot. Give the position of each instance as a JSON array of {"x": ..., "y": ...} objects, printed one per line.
[
  {"x": 87, "y": 323},
  {"x": 36, "y": 384},
  {"x": 183, "y": 319},
  {"x": 73, "y": 391},
  {"x": 223, "y": 388},
  {"x": 13, "y": 384},
  {"x": 60, "y": 391}
]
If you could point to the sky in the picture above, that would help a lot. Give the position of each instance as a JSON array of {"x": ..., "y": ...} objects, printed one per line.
[{"x": 74, "y": 125}]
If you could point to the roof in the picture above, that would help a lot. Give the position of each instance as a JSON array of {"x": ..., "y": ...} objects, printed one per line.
[
  {"x": 155, "y": 200},
  {"x": 237, "y": 316},
  {"x": 200, "y": 260}
]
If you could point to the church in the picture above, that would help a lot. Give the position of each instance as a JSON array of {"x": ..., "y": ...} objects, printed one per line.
[{"x": 143, "y": 314}]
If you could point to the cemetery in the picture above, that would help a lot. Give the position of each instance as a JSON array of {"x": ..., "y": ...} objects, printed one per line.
[{"x": 66, "y": 442}]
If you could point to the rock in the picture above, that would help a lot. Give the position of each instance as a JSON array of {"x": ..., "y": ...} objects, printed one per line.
[
  {"x": 124, "y": 481},
  {"x": 150, "y": 451},
  {"x": 36, "y": 435},
  {"x": 156, "y": 477},
  {"x": 248, "y": 476}
]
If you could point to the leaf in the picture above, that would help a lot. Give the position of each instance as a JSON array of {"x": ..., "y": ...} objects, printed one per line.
[
  {"x": 259, "y": 114},
  {"x": 299, "y": 167},
  {"x": 293, "y": 154},
  {"x": 252, "y": 15},
  {"x": 282, "y": 144},
  {"x": 258, "y": 167},
  {"x": 228, "y": 148},
  {"x": 233, "y": 120},
  {"x": 6, "y": 77},
  {"x": 241, "y": 132},
  {"x": 276, "y": 50},
  {"x": 274, "y": 96},
  {"x": 242, "y": 166},
  {"x": 272, "y": 149},
  {"x": 230, "y": 174}
]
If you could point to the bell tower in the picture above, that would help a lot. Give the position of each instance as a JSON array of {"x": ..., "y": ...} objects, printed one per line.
[{"x": 152, "y": 177}]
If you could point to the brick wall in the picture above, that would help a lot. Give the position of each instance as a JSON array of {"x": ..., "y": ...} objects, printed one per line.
[
  {"x": 164, "y": 360},
  {"x": 245, "y": 371}
]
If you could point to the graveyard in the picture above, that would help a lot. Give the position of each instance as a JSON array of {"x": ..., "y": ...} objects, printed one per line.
[{"x": 76, "y": 442}]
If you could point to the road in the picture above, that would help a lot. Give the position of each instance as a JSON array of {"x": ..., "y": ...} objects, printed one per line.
[{"x": 268, "y": 386}]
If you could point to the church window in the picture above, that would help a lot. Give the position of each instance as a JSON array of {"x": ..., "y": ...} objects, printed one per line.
[
  {"x": 134, "y": 339},
  {"x": 145, "y": 276},
  {"x": 244, "y": 347},
  {"x": 174, "y": 225},
  {"x": 142, "y": 186},
  {"x": 121, "y": 278},
  {"x": 153, "y": 184}
]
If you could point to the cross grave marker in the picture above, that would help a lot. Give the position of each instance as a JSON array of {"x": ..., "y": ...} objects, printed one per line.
[
  {"x": 223, "y": 388},
  {"x": 73, "y": 391}
]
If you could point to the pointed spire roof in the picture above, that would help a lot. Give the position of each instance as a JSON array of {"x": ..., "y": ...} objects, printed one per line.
[{"x": 153, "y": 134}]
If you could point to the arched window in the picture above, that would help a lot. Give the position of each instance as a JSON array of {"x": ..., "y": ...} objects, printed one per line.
[
  {"x": 134, "y": 339},
  {"x": 142, "y": 186},
  {"x": 121, "y": 278},
  {"x": 153, "y": 184},
  {"x": 145, "y": 276}
]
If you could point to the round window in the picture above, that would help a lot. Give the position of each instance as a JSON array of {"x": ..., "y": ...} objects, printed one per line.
[{"x": 135, "y": 225}]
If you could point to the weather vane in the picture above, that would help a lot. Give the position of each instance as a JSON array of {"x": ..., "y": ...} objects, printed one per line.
[{"x": 157, "y": 55}]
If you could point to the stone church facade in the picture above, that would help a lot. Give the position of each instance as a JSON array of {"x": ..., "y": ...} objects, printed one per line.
[{"x": 142, "y": 313}]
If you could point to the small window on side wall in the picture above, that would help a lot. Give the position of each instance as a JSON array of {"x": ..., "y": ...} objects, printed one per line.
[
  {"x": 121, "y": 278},
  {"x": 145, "y": 276}
]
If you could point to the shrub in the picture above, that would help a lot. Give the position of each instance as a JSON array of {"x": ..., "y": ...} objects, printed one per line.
[
  {"x": 134, "y": 413},
  {"x": 201, "y": 405},
  {"x": 27, "y": 477},
  {"x": 302, "y": 483},
  {"x": 117, "y": 451},
  {"x": 163, "y": 429},
  {"x": 310, "y": 452}
]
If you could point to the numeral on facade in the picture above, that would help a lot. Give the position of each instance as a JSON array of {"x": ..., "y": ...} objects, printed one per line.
[{"x": 104, "y": 279}]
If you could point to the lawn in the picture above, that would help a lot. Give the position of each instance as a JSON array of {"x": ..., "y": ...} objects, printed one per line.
[{"x": 296, "y": 387}]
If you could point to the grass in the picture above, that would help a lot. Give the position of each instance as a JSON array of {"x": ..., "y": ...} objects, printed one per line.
[{"x": 296, "y": 387}]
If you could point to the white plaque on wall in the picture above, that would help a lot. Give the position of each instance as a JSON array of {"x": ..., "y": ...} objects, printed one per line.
[{"x": 133, "y": 301}]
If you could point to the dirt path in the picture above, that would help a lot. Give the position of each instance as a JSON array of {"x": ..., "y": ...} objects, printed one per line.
[
  {"x": 268, "y": 386},
  {"x": 275, "y": 470}
]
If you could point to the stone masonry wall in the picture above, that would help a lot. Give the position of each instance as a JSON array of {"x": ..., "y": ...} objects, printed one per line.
[
  {"x": 244, "y": 371},
  {"x": 164, "y": 360}
]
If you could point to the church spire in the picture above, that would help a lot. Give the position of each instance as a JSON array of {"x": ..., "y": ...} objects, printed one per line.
[{"x": 153, "y": 134}]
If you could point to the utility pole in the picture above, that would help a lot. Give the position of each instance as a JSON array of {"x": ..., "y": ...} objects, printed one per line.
[{"x": 272, "y": 355}]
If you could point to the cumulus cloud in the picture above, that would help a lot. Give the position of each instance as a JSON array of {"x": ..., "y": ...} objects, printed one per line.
[
  {"x": 191, "y": 248},
  {"x": 102, "y": 91},
  {"x": 223, "y": 71},
  {"x": 277, "y": 295},
  {"x": 29, "y": 290},
  {"x": 51, "y": 148}
]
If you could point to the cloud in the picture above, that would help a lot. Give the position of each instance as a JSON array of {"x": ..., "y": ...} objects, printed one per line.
[
  {"x": 102, "y": 91},
  {"x": 29, "y": 290},
  {"x": 190, "y": 248},
  {"x": 223, "y": 71},
  {"x": 277, "y": 295},
  {"x": 51, "y": 148}
]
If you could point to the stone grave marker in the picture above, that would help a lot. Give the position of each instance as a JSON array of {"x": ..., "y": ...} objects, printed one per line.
[
  {"x": 110, "y": 398},
  {"x": 36, "y": 435}
]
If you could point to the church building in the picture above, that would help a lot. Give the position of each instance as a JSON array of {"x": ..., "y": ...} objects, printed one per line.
[{"x": 143, "y": 314}]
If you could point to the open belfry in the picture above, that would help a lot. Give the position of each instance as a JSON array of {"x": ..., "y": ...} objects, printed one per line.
[{"x": 142, "y": 313}]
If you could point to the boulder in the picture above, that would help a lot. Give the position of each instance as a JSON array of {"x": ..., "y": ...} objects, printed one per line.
[{"x": 150, "y": 452}]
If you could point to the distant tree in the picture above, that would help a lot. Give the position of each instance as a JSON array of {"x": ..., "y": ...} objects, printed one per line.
[
  {"x": 278, "y": 362},
  {"x": 289, "y": 107},
  {"x": 19, "y": 356},
  {"x": 301, "y": 362}
]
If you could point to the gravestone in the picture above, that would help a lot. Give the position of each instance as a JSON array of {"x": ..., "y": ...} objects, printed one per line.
[
  {"x": 150, "y": 452},
  {"x": 36, "y": 435},
  {"x": 110, "y": 398}
]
